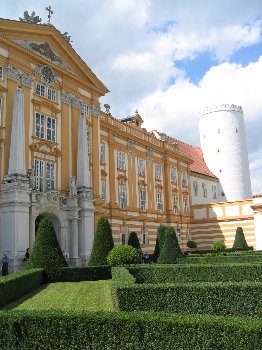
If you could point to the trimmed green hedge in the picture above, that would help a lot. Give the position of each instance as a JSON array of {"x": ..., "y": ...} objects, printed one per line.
[
  {"x": 220, "y": 298},
  {"x": 77, "y": 274},
  {"x": 244, "y": 258},
  {"x": 197, "y": 273},
  {"x": 18, "y": 284},
  {"x": 126, "y": 331}
]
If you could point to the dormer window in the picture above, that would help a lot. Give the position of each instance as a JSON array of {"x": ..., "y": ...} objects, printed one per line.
[{"x": 43, "y": 91}]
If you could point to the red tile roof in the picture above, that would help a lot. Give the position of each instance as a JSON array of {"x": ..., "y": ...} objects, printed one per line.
[{"x": 191, "y": 152}]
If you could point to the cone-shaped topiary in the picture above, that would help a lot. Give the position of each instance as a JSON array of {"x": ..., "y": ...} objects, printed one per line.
[
  {"x": 46, "y": 252},
  {"x": 103, "y": 243},
  {"x": 133, "y": 240},
  {"x": 160, "y": 239},
  {"x": 170, "y": 250},
  {"x": 240, "y": 240}
]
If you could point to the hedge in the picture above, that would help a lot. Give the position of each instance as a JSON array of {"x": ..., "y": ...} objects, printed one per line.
[
  {"x": 77, "y": 274},
  {"x": 220, "y": 298},
  {"x": 249, "y": 258},
  {"x": 197, "y": 273},
  {"x": 129, "y": 331},
  {"x": 18, "y": 284}
]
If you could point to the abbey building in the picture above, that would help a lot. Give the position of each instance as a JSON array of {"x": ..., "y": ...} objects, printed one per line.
[{"x": 63, "y": 158}]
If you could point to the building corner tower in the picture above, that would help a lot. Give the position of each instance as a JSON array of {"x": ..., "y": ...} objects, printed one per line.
[{"x": 223, "y": 143}]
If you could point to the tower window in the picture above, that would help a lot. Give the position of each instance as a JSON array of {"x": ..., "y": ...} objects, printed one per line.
[
  {"x": 236, "y": 130},
  {"x": 220, "y": 170},
  {"x": 218, "y": 131},
  {"x": 218, "y": 150}
]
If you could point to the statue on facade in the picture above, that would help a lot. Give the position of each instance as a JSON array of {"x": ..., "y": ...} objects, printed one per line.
[
  {"x": 30, "y": 18},
  {"x": 67, "y": 37},
  {"x": 73, "y": 190}
]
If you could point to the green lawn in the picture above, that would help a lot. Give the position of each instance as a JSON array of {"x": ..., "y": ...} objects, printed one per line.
[{"x": 79, "y": 296}]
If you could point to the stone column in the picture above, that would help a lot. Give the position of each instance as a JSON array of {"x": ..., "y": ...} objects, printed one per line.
[
  {"x": 32, "y": 231},
  {"x": 257, "y": 208},
  {"x": 74, "y": 235},
  {"x": 83, "y": 175}
]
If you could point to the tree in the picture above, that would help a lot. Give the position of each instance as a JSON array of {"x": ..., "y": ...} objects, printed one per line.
[
  {"x": 170, "y": 251},
  {"x": 240, "y": 240},
  {"x": 123, "y": 255},
  {"x": 218, "y": 245},
  {"x": 133, "y": 240},
  {"x": 103, "y": 243},
  {"x": 160, "y": 239},
  {"x": 46, "y": 252}
]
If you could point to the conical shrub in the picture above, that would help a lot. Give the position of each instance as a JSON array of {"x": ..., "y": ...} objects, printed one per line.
[
  {"x": 240, "y": 240},
  {"x": 133, "y": 240},
  {"x": 46, "y": 252},
  {"x": 160, "y": 239},
  {"x": 170, "y": 251},
  {"x": 103, "y": 243}
]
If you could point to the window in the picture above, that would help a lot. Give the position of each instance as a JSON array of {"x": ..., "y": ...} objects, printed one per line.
[
  {"x": 195, "y": 188},
  {"x": 174, "y": 175},
  {"x": 103, "y": 190},
  {"x": 159, "y": 203},
  {"x": 178, "y": 234},
  {"x": 44, "y": 175},
  {"x": 204, "y": 187},
  {"x": 40, "y": 90},
  {"x": 214, "y": 192},
  {"x": 175, "y": 204},
  {"x": 141, "y": 166},
  {"x": 186, "y": 205},
  {"x": 85, "y": 109},
  {"x": 124, "y": 235},
  {"x": 142, "y": 199},
  {"x": 51, "y": 94},
  {"x": 102, "y": 152},
  {"x": 88, "y": 140},
  {"x": 122, "y": 196},
  {"x": 45, "y": 127},
  {"x": 158, "y": 172},
  {"x": 144, "y": 234},
  {"x": 1, "y": 73},
  {"x": 121, "y": 160},
  {"x": 184, "y": 179}
]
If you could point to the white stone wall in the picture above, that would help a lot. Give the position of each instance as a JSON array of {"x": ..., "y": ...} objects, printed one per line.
[
  {"x": 223, "y": 142},
  {"x": 199, "y": 198}
]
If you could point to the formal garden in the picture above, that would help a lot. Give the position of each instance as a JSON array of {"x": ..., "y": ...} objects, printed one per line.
[{"x": 198, "y": 301}]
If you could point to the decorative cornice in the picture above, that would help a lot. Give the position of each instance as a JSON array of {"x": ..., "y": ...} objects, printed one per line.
[
  {"x": 95, "y": 111},
  {"x": 71, "y": 99},
  {"x": 149, "y": 150},
  {"x": 218, "y": 108},
  {"x": 46, "y": 147},
  {"x": 257, "y": 195},
  {"x": 19, "y": 76},
  {"x": 131, "y": 143},
  {"x": 46, "y": 104}
]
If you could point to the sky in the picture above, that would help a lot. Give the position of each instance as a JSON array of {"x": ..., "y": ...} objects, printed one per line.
[{"x": 169, "y": 59}]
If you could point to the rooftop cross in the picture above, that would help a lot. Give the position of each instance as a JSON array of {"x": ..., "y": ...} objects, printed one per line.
[{"x": 50, "y": 12}]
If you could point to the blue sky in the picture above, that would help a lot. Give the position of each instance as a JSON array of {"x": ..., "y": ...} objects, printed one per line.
[{"x": 168, "y": 58}]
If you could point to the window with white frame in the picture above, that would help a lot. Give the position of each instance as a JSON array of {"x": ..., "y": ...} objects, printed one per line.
[
  {"x": 175, "y": 204},
  {"x": 184, "y": 179},
  {"x": 141, "y": 166},
  {"x": 178, "y": 234},
  {"x": 142, "y": 199},
  {"x": 40, "y": 90},
  {"x": 214, "y": 192},
  {"x": 102, "y": 153},
  {"x": 174, "y": 175},
  {"x": 121, "y": 160},
  {"x": 158, "y": 172},
  {"x": 1, "y": 73},
  {"x": 186, "y": 205},
  {"x": 103, "y": 190},
  {"x": 144, "y": 234},
  {"x": 159, "y": 203},
  {"x": 195, "y": 188},
  {"x": 124, "y": 235},
  {"x": 122, "y": 195},
  {"x": 85, "y": 109},
  {"x": 88, "y": 140},
  {"x": 204, "y": 187},
  {"x": 51, "y": 94},
  {"x": 45, "y": 174},
  {"x": 45, "y": 127}
]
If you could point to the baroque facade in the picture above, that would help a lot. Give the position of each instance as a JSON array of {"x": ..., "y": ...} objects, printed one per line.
[{"x": 61, "y": 157}]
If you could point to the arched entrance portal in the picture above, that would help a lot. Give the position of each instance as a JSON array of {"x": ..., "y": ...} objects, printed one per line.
[{"x": 55, "y": 221}]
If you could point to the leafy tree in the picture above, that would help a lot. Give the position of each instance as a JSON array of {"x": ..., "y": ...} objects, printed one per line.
[
  {"x": 191, "y": 244},
  {"x": 240, "y": 240},
  {"x": 46, "y": 252},
  {"x": 123, "y": 255},
  {"x": 160, "y": 239},
  {"x": 133, "y": 240},
  {"x": 170, "y": 250},
  {"x": 218, "y": 245},
  {"x": 103, "y": 243}
]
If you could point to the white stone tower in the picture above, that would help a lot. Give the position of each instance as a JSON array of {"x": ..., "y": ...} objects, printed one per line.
[{"x": 223, "y": 142}]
